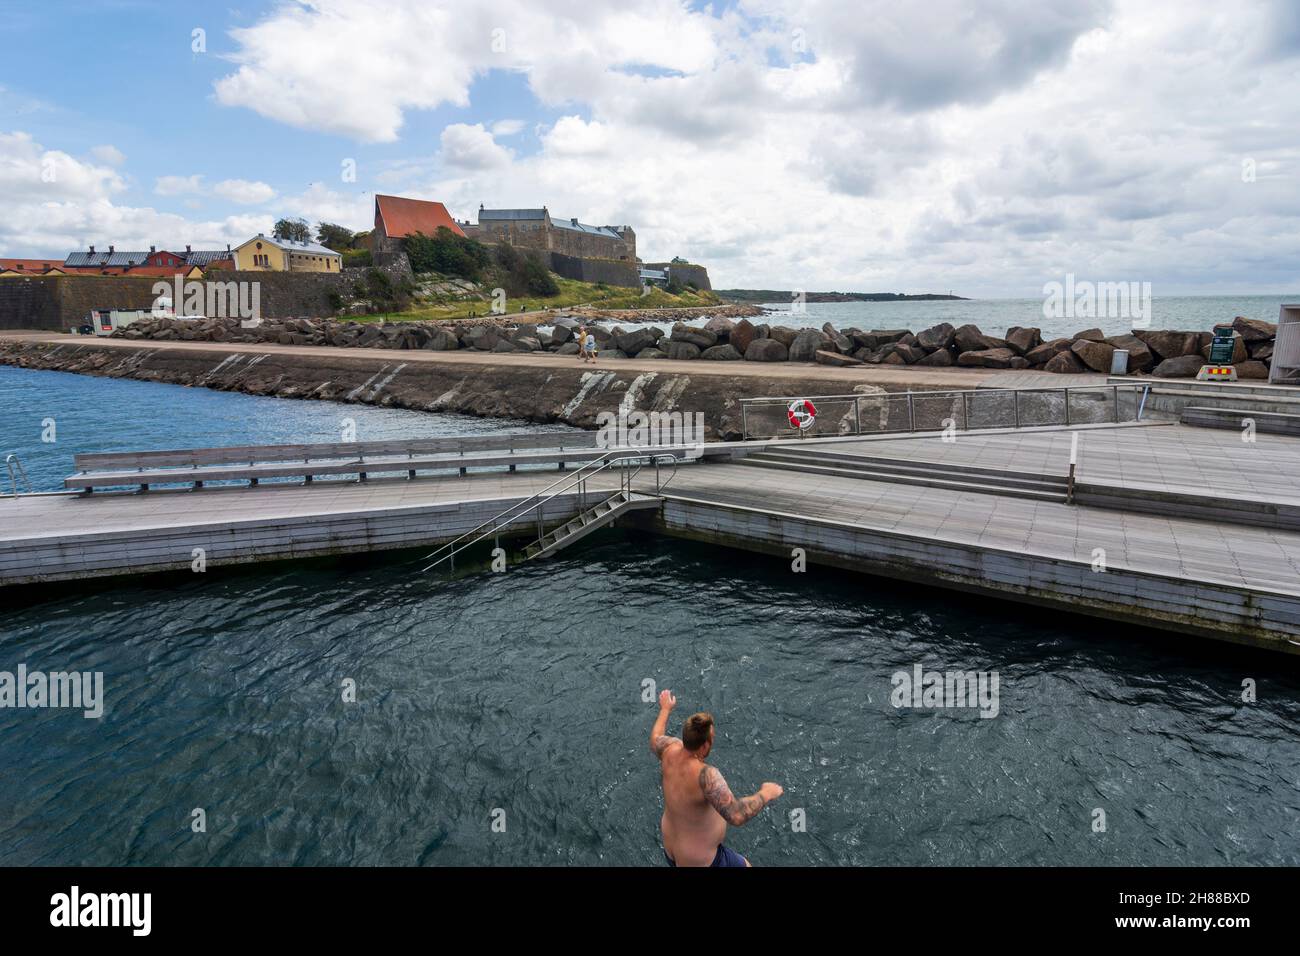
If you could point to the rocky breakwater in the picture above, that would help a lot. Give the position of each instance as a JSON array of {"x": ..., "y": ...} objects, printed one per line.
[
  {"x": 562, "y": 391},
  {"x": 1162, "y": 353}
]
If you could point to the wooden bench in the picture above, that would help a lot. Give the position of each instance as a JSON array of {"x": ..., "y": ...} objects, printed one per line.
[{"x": 254, "y": 462}]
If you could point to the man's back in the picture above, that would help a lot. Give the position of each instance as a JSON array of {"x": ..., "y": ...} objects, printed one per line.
[{"x": 692, "y": 829}]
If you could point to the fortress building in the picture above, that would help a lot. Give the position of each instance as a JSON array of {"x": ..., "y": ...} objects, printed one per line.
[{"x": 535, "y": 228}]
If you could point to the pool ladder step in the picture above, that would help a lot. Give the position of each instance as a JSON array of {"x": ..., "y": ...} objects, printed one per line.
[{"x": 588, "y": 521}]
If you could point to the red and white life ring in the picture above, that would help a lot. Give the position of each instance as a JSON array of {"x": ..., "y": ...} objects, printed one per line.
[{"x": 801, "y": 413}]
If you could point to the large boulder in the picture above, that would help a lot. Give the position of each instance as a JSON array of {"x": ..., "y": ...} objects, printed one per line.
[
  {"x": 683, "y": 350},
  {"x": 651, "y": 353},
  {"x": 1140, "y": 358},
  {"x": 742, "y": 333},
  {"x": 1022, "y": 341},
  {"x": 940, "y": 358},
  {"x": 442, "y": 340},
  {"x": 766, "y": 350},
  {"x": 481, "y": 337},
  {"x": 636, "y": 340},
  {"x": 1254, "y": 330},
  {"x": 562, "y": 333},
  {"x": 1168, "y": 344},
  {"x": 907, "y": 352},
  {"x": 783, "y": 334},
  {"x": 878, "y": 337},
  {"x": 987, "y": 358},
  {"x": 1090, "y": 335},
  {"x": 1184, "y": 366},
  {"x": 937, "y": 337},
  {"x": 720, "y": 326},
  {"x": 1262, "y": 350},
  {"x": 1095, "y": 355},
  {"x": 969, "y": 338},
  {"x": 1065, "y": 363},
  {"x": 843, "y": 344},
  {"x": 1042, "y": 354},
  {"x": 700, "y": 338},
  {"x": 806, "y": 345},
  {"x": 1251, "y": 369},
  {"x": 721, "y": 353},
  {"x": 527, "y": 343},
  {"x": 824, "y": 357}
]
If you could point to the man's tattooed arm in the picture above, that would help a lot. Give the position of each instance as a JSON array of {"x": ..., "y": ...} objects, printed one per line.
[
  {"x": 734, "y": 811},
  {"x": 662, "y": 743}
]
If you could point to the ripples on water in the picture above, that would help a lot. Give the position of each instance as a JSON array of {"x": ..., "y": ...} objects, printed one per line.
[{"x": 522, "y": 691}]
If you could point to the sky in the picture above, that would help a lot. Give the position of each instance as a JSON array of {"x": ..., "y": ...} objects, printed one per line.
[{"x": 984, "y": 148}]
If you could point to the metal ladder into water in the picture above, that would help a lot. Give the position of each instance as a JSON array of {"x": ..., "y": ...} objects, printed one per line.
[
  {"x": 589, "y": 519},
  {"x": 15, "y": 468}
]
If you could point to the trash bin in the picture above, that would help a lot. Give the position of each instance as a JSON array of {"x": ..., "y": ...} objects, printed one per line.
[{"x": 1119, "y": 362}]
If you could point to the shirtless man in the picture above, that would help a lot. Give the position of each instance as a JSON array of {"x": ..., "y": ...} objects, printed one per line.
[{"x": 698, "y": 804}]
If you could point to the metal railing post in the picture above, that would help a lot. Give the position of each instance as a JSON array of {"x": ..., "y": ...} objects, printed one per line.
[
  {"x": 911, "y": 412},
  {"x": 1115, "y": 398},
  {"x": 1015, "y": 400},
  {"x": 965, "y": 410},
  {"x": 857, "y": 416},
  {"x": 744, "y": 421},
  {"x": 1066, "y": 393}
]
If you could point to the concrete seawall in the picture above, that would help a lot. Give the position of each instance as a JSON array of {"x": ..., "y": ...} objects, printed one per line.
[{"x": 547, "y": 389}]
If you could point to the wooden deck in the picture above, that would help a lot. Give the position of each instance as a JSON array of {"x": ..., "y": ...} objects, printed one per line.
[{"x": 1213, "y": 576}]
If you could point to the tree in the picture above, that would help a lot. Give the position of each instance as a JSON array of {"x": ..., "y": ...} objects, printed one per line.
[
  {"x": 447, "y": 253},
  {"x": 333, "y": 236},
  {"x": 293, "y": 230}
]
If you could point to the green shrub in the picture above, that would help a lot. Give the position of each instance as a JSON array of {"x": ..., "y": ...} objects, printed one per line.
[{"x": 448, "y": 254}]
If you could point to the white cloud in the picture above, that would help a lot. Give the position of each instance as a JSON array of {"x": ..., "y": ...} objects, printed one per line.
[
  {"x": 178, "y": 185},
  {"x": 51, "y": 203},
  {"x": 108, "y": 154},
  {"x": 507, "y": 127},
  {"x": 797, "y": 143},
  {"x": 468, "y": 147},
  {"x": 244, "y": 192}
]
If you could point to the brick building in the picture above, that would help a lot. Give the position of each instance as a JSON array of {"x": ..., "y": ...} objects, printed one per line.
[
  {"x": 537, "y": 229},
  {"x": 397, "y": 217}
]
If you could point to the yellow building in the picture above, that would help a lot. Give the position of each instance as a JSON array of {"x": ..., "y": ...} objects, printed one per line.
[{"x": 265, "y": 254}]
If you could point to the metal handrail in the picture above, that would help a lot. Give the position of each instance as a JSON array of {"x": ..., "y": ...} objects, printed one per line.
[
  {"x": 964, "y": 395},
  {"x": 538, "y": 500},
  {"x": 10, "y": 461}
]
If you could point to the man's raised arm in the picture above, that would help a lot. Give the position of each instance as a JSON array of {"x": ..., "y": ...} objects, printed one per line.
[
  {"x": 737, "y": 812},
  {"x": 659, "y": 739}
]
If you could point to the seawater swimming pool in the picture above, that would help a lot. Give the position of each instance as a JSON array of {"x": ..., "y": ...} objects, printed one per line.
[{"x": 524, "y": 694}]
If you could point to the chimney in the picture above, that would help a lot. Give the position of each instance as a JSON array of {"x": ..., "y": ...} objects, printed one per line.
[
  {"x": 110, "y": 250},
  {"x": 227, "y": 247},
  {"x": 152, "y": 250},
  {"x": 187, "y": 250},
  {"x": 574, "y": 220},
  {"x": 92, "y": 250}
]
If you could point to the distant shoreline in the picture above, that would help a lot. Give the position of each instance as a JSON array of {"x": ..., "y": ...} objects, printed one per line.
[{"x": 779, "y": 295}]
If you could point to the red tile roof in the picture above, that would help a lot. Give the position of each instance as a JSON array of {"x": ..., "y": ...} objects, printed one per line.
[
  {"x": 34, "y": 266},
  {"x": 405, "y": 217}
]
